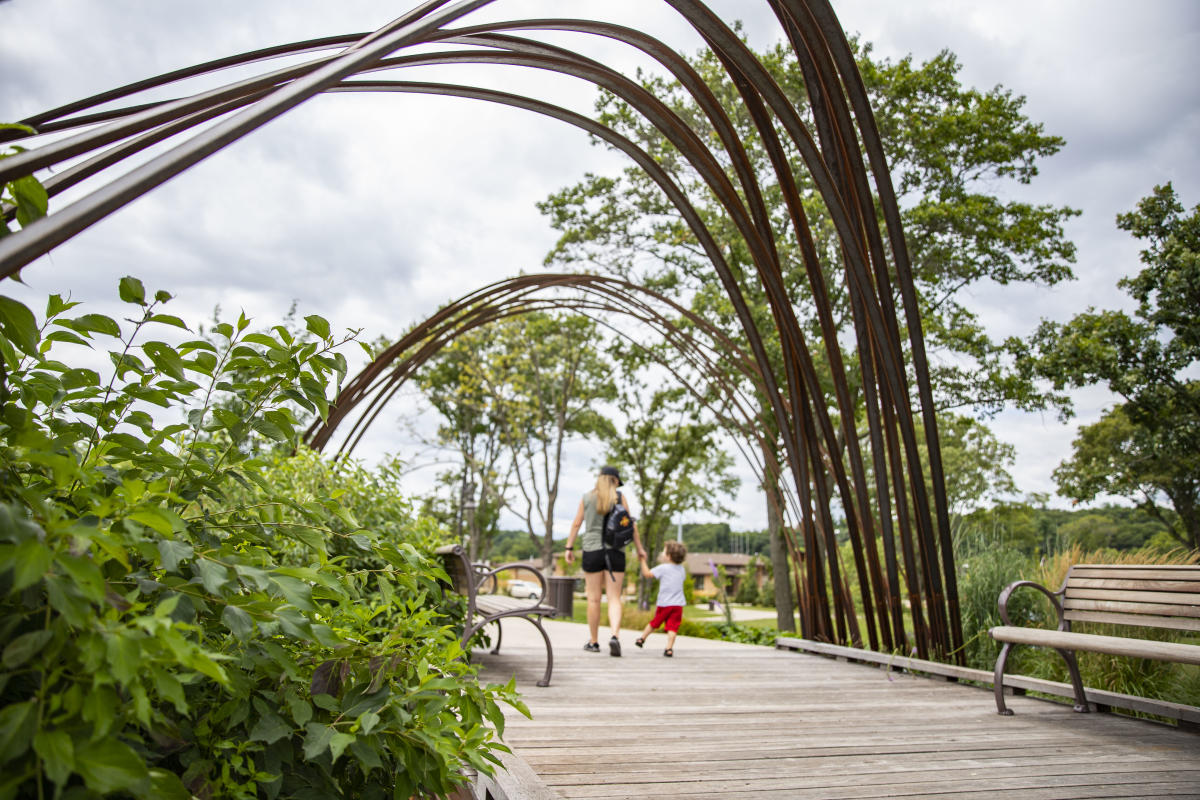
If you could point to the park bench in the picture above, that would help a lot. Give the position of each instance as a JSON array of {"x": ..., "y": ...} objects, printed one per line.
[
  {"x": 478, "y": 584},
  {"x": 1137, "y": 596}
]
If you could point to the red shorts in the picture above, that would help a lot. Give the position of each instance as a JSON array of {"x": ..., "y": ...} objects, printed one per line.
[{"x": 670, "y": 616}]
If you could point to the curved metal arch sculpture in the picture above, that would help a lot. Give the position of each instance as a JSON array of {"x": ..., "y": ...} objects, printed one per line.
[
  {"x": 842, "y": 158},
  {"x": 700, "y": 347}
]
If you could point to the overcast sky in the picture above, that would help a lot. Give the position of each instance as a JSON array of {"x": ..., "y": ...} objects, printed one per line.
[{"x": 372, "y": 211}]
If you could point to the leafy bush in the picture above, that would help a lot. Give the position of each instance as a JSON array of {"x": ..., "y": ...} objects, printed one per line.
[
  {"x": 183, "y": 618},
  {"x": 982, "y": 576}
]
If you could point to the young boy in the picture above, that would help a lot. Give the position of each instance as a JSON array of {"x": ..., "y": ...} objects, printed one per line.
[{"x": 671, "y": 574}]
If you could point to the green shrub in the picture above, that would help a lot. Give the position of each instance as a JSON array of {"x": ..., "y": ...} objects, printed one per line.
[
  {"x": 982, "y": 576},
  {"x": 766, "y": 594},
  {"x": 186, "y": 618}
]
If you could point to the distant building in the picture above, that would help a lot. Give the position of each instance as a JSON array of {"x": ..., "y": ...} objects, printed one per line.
[{"x": 737, "y": 570}]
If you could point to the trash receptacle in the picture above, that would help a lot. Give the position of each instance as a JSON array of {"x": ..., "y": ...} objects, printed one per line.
[{"x": 562, "y": 595}]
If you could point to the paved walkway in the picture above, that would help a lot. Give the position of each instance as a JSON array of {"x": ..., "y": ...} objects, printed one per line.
[{"x": 722, "y": 720}]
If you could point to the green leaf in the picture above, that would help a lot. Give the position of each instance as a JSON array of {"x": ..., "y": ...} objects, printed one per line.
[
  {"x": 317, "y": 326},
  {"x": 167, "y": 319},
  {"x": 64, "y": 598},
  {"x": 57, "y": 753},
  {"x": 301, "y": 709},
  {"x": 316, "y": 739},
  {"x": 30, "y": 559},
  {"x": 17, "y": 723},
  {"x": 111, "y": 766},
  {"x": 86, "y": 575},
  {"x": 368, "y": 721},
  {"x": 153, "y": 519},
  {"x": 124, "y": 656},
  {"x": 338, "y": 744},
  {"x": 94, "y": 322},
  {"x": 166, "y": 359},
  {"x": 166, "y": 785},
  {"x": 32, "y": 199},
  {"x": 269, "y": 728},
  {"x": 18, "y": 325},
  {"x": 132, "y": 291},
  {"x": 172, "y": 552},
  {"x": 66, "y": 336},
  {"x": 238, "y": 621},
  {"x": 212, "y": 575},
  {"x": 297, "y": 592},
  {"x": 25, "y": 647}
]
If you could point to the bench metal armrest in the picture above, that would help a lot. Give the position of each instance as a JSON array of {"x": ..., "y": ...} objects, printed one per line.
[
  {"x": 1063, "y": 625},
  {"x": 489, "y": 574}
]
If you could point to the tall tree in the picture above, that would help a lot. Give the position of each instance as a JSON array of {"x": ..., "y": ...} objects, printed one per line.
[
  {"x": 1146, "y": 448},
  {"x": 952, "y": 148},
  {"x": 546, "y": 379},
  {"x": 456, "y": 383}
]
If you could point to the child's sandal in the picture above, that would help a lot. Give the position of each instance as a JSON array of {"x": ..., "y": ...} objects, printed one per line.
[
  {"x": 669, "y": 652},
  {"x": 639, "y": 642}
]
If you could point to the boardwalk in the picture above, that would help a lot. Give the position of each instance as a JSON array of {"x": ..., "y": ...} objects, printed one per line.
[{"x": 721, "y": 720}]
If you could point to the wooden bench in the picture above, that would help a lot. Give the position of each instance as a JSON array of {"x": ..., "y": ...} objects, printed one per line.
[
  {"x": 1152, "y": 596},
  {"x": 478, "y": 585}
]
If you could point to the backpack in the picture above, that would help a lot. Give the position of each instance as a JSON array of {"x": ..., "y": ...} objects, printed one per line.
[{"x": 618, "y": 526}]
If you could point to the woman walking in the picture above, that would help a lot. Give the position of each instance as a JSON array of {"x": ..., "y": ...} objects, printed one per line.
[{"x": 603, "y": 569}]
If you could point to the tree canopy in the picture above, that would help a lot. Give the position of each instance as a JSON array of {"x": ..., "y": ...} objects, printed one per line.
[{"x": 1147, "y": 447}]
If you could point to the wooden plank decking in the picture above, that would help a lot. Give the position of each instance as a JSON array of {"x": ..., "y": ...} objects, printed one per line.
[{"x": 721, "y": 720}]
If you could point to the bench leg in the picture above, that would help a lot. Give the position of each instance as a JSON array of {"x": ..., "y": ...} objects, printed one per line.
[
  {"x": 1081, "y": 703},
  {"x": 537, "y": 623},
  {"x": 998, "y": 680},
  {"x": 499, "y": 636}
]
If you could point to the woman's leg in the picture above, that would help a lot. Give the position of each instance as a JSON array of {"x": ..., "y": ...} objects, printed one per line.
[
  {"x": 614, "y": 584},
  {"x": 593, "y": 587}
]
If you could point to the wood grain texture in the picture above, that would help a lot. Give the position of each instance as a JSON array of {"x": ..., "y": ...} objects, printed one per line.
[{"x": 721, "y": 720}]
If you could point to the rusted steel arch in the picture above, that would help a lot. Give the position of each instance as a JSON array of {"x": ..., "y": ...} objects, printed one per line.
[
  {"x": 801, "y": 349},
  {"x": 836, "y": 167},
  {"x": 593, "y": 295},
  {"x": 600, "y": 298},
  {"x": 378, "y": 382}
]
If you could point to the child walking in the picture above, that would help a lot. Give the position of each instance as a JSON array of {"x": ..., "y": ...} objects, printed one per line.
[{"x": 668, "y": 611}]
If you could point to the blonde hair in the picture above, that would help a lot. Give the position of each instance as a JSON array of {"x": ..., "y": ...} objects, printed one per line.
[
  {"x": 676, "y": 551},
  {"x": 606, "y": 493}
]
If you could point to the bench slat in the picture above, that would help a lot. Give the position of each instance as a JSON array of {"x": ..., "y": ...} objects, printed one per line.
[
  {"x": 1142, "y": 585},
  {"x": 1181, "y": 600},
  {"x": 1119, "y": 607},
  {"x": 1141, "y": 571},
  {"x": 1113, "y": 645},
  {"x": 1144, "y": 620},
  {"x": 498, "y": 603}
]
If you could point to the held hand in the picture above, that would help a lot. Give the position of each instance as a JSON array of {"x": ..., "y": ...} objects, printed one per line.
[{"x": 570, "y": 556}]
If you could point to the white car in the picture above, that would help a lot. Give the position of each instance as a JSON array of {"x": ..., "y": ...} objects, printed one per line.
[{"x": 530, "y": 589}]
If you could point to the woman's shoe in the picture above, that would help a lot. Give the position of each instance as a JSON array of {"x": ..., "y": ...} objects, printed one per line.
[
  {"x": 614, "y": 646},
  {"x": 669, "y": 652},
  {"x": 639, "y": 642},
  {"x": 592, "y": 647}
]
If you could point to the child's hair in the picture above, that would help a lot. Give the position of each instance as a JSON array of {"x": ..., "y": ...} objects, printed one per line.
[{"x": 676, "y": 551}]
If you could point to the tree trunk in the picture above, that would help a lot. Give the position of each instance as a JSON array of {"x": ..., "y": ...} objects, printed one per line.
[{"x": 785, "y": 610}]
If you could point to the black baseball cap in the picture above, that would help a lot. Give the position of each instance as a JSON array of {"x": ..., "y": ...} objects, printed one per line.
[{"x": 612, "y": 471}]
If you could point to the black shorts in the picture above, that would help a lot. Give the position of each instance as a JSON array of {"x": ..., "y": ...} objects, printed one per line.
[{"x": 593, "y": 560}]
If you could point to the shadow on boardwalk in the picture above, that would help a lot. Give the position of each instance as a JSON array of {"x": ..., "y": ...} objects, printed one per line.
[{"x": 722, "y": 720}]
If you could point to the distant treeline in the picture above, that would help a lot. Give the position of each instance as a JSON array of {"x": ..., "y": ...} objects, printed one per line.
[{"x": 1030, "y": 529}]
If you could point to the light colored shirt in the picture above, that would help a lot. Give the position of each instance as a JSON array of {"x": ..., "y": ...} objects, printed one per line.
[
  {"x": 592, "y": 535},
  {"x": 670, "y": 584}
]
